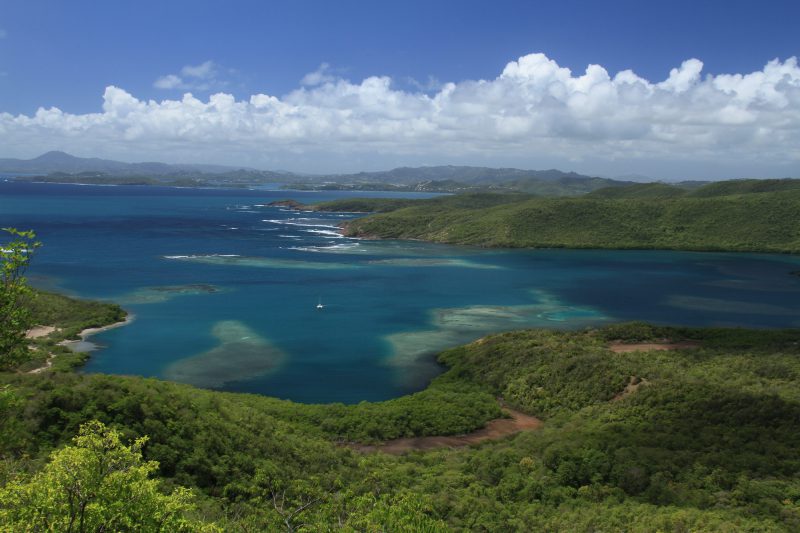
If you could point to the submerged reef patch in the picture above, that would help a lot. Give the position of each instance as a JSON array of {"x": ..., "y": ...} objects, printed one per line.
[
  {"x": 242, "y": 354},
  {"x": 718, "y": 305},
  {"x": 259, "y": 262},
  {"x": 432, "y": 262},
  {"x": 151, "y": 295},
  {"x": 412, "y": 350}
]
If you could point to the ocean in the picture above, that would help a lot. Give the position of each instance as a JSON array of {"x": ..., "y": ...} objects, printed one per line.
[{"x": 225, "y": 289}]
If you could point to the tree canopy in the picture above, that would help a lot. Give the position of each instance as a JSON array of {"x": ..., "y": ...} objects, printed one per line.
[
  {"x": 97, "y": 484},
  {"x": 15, "y": 315}
]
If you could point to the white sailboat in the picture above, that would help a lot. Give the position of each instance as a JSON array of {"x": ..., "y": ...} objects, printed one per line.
[{"x": 319, "y": 303}]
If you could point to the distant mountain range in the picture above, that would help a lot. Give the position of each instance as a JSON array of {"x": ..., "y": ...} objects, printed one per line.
[
  {"x": 65, "y": 168},
  {"x": 462, "y": 174},
  {"x": 64, "y": 162}
]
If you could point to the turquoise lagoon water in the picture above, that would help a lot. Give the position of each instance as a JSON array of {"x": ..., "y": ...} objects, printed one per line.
[{"x": 224, "y": 289}]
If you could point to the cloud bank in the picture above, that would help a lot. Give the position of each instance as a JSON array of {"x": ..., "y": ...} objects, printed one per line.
[{"x": 533, "y": 111}]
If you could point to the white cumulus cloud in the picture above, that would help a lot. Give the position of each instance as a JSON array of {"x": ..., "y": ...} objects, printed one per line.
[
  {"x": 319, "y": 76},
  {"x": 534, "y": 112},
  {"x": 202, "y": 77},
  {"x": 202, "y": 71},
  {"x": 170, "y": 81}
]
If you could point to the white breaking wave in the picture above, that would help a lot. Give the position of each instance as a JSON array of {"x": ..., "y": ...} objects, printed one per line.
[
  {"x": 199, "y": 256},
  {"x": 324, "y": 232},
  {"x": 326, "y": 249},
  {"x": 301, "y": 224}
]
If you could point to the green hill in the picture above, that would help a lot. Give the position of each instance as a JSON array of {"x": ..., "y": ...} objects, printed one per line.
[
  {"x": 730, "y": 187},
  {"x": 767, "y": 222},
  {"x": 701, "y": 439},
  {"x": 385, "y": 205},
  {"x": 639, "y": 190}
]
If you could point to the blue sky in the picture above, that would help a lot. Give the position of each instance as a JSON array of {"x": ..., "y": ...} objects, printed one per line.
[{"x": 67, "y": 54}]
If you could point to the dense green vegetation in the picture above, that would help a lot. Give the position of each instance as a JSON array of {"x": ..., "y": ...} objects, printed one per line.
[
  {"x": 699, "y": 439},
  {"x": 72, "y": 315},
  {"x": 696, "y": 190},
  {"x": 386, "y": 205},
  {"x": 16, "y": 251},
  {"x": 364, "y": 205},
  {"x": 725, "y": 188},
  {"x": 706, "y": 442},
  {"x": 69, "y": 316},
  {"x": 104, "y": 486},
  {"x": 639, "y": 190},
  {"x": 757, "y": 221}
]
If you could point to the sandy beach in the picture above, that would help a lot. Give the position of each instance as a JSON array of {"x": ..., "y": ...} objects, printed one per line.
[
  {"x": 38, "y": 332},
  {"x": 81, "y": 345},
  {"x": 88, "y": 332}
]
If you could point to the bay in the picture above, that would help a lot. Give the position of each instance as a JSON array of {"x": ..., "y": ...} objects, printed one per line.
[{"x": 224, "y": 289}]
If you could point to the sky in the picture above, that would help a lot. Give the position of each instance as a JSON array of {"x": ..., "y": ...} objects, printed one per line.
[{"x": 669, "y": 90}]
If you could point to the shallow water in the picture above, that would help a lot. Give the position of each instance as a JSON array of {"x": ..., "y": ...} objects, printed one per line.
[{"x": 225, "y": 289}]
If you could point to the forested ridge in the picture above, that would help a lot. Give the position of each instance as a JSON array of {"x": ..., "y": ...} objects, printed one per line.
[{"x": 727, "y": 216}]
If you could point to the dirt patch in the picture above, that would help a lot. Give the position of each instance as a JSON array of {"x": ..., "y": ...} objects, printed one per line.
[
  {"x": 621, "y": 347},
  {"x": 494, "y": 429},
  {"x": 40, "y": 331}
]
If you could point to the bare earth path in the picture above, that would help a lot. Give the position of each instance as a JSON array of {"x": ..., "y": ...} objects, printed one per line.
[
  {"x": 620, "y": 347},
  {"x": 503, "y": 427},
  {"x": 495, "y": 429}
]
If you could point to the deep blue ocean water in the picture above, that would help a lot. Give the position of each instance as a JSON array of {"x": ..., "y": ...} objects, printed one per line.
[{"x": 224, "y": 289}]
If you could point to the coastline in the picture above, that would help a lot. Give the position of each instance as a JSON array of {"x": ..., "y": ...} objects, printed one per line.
[
  {"x": 84, "y": 345},
  {"x": 81, "y": 345},
  {"x": 344, "y": 230}
]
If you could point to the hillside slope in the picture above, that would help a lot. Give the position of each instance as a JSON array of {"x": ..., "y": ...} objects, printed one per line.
[
  {"x": 765, "y": 222},
  {"x": 706, "y": 441}
]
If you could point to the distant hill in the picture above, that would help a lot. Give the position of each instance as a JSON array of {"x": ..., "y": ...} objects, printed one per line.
[
  {"x": 61, "y": 167},
  {"x": 462, "y": 174},
  {"x": 696, "y": 189},
  {"x": 570, "y": 184},
  {"x": 758, "y": 221},
  {"x": 639, "y": 190},
  {"x": 465, "y": 179},
  {"x": 56, "y": 161},
  {"x": 748, "y": 186}
]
